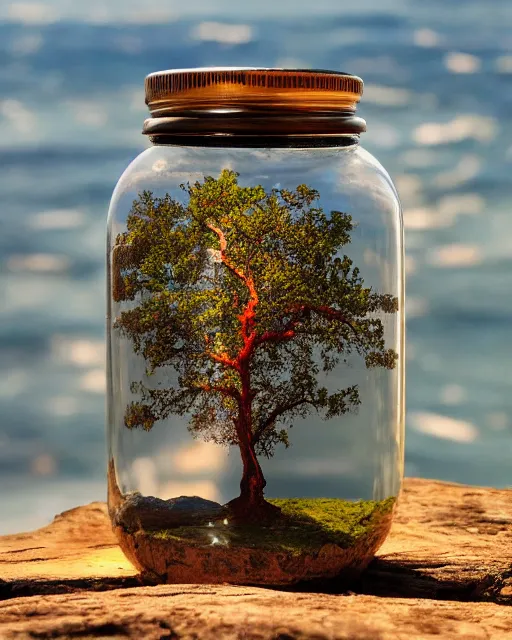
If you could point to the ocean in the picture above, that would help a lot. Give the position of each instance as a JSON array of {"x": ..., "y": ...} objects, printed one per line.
[{"x": 438, "y": 103}]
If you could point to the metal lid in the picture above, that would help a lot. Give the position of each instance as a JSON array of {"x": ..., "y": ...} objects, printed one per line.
[{"x": 251, "y": 89}]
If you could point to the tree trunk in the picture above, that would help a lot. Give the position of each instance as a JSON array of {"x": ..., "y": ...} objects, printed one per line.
[
  {"x": 251, "y": 506},
  {"x": 253, "y": 481}
]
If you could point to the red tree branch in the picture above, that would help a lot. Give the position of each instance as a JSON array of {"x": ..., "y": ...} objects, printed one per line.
[
  {"x": 286, "y": 333},
  {"x": 248, "y": 316},
  {"x": 232, "y": 392},
  {"x": 275, "y": 336},
  {"x": 223, "y": 245},
  {"x": 222, "y": 358}
]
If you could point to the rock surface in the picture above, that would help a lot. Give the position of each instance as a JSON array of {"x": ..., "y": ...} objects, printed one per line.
[
  {"x": 445, "y": 571},
  {"x": 148, "y": 513}
]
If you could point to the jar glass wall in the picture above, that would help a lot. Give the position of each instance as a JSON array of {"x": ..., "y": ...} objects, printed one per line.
[{"x": 255, "y": 358}]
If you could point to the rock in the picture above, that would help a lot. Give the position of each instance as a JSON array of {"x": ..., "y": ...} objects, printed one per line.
[
  {"x": 207, "y": 612},
  {"x": 149, "y": 513},
  {"x": 431, "y": 578}
]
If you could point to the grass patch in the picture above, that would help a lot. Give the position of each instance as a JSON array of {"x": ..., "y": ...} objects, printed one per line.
[{"x": 305, "y": 524}]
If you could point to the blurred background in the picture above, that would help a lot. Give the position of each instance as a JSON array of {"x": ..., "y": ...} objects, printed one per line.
[{"x": 438, "y": 102}]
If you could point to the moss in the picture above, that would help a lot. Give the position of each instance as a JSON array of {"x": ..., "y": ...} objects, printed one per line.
[{"x": 305, "y": 524}]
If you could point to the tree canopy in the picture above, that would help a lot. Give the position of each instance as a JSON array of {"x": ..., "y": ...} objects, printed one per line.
[{"x": 248, "y": 297}]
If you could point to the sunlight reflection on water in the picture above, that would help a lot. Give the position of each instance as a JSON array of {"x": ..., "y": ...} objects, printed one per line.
[{"x": 437, "y": 102}]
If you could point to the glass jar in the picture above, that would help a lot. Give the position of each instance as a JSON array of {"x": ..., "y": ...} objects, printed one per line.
[{"x": 255, "y": 332}]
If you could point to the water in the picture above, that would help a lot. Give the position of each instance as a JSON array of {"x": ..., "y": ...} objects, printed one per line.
[{"x": 438, "y": 104}]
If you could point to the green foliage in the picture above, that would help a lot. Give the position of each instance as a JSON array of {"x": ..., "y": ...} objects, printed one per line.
[
  {"x": 305, "y": 525},
  {"x": 246, "y": 296}
]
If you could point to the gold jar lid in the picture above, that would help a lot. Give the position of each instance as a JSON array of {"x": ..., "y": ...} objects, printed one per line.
[{"x": 215, "y": 89}]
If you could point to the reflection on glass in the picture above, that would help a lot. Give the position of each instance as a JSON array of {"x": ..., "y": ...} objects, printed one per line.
[{"x": 255, "y": 388}]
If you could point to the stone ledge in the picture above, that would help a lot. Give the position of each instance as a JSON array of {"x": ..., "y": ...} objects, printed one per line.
[{"x": 445, "y": 571}]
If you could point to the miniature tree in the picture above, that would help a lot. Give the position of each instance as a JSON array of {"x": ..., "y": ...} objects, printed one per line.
[{"x": 245, "y": 295}]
